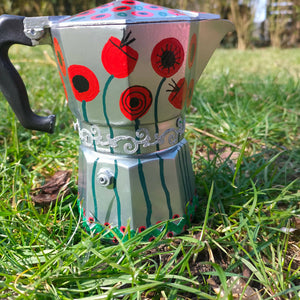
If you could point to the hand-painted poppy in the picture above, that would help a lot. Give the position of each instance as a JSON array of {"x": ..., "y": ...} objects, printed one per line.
[
  {"x": 91, "y": 220},
  {"x": 170, "y": 234},
  {"x": 115, "y": 240},
  {"x": 142, "y": 228},
  {"x": 84, "y": 83},
  {"x": 121, "y": 8},
  {"x": 123, "y": 229},
  {"x": 118, "y": 58},
  {"x": 167, "y": 57},
  {"x": 59, "y": 56},
  {"x": 178, "y": 93},
  {"x": 130, "y": 2},
  {"x": 135, "y": 102},
  {"x": 192, "y": 50}
]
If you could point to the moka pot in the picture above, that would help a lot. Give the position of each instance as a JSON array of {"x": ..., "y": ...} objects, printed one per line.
[{"x": 128, "y": 69}]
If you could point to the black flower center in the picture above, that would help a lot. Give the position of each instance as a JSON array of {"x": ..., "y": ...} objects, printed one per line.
[
  {"x": 80, "y": 83},
  {"x": 168, "y": 59},
  {"x": 120, "y": 8},
  {"x": 134, "y": 102}
]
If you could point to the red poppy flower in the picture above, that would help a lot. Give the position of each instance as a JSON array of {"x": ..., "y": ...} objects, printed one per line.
[
  {"x": 100, "y": 16},
  {"x": 152, "y": 238},
  {"x": 121, "y": 8},
  {"x": 59, "y": 56},
  {"x": 91, "y": 220},
  {"x": 118, "y": 58},
  {"x": 176, "y": 216},
  {"x": 167, "y": 57},
  {"x": 190, "y": 92},
  {"x": 170, "y": 234},
  {"x": 84, "y": 83},
  {"x": 131, "y": 2},
  {"x": 135, "y": 102},
  {"x": 123, "y": 228},
  {"x": 178, "y": 93},
  {"x": 192, "y": 50},
  {"x": 107, "y": 224},
  {"x": 142, "y": 228}
]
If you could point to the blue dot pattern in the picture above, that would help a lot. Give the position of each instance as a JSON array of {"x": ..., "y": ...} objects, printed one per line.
[{"x": 130, "y": 11}]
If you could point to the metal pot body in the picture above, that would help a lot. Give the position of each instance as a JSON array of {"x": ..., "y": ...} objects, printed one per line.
[{"x": 129, "y": 101}]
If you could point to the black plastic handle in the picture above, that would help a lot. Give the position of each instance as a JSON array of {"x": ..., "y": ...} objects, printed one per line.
[{"x": 11, "y": 84}]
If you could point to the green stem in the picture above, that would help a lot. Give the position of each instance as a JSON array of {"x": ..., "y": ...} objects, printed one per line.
[
  {"x": 105, "y": 111},
  {"x": 156, "y": 108}
]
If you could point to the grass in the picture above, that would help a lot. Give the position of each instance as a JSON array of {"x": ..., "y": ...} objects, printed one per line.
[{"x": 243, "y": 131}]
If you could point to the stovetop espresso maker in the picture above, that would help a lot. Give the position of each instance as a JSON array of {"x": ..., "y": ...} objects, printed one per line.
[{"x": 128, "y": 69}]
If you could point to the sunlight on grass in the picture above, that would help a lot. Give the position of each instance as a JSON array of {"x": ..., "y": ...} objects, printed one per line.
[{"x": 243, "y": 131}]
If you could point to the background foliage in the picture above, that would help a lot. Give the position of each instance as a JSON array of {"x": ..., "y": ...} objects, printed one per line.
[{"x": 281, "y": 28}]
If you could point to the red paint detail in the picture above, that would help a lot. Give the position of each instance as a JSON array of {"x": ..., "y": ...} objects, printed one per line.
[
  {"x": 121, "y": 8},
  {"x": 192, "y": 50},
  {"x": 142, "y": 228},
  {"x": 167, "y": 57},
  {"x": 175, "y": 12},
  {"x": 170, "y": 234},
  {"x": 130, "y": 2},
  {"x": 107, "y": 224},
  {"x": 135, "y": 101},
  {"x": 90, "y": 77},
  {"x": 145, "y": 14},
  {"x": 59, "y": 56},
  {"x": 118, "y": 58},
  {"x": 178, "y": 94}
]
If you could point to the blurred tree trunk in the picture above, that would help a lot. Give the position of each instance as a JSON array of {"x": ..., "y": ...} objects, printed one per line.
[
  {"x": 283, "y": 23},
  {"x": 242, "y": 18}
]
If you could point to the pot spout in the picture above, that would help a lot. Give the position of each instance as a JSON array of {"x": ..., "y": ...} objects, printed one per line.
[{"x": 210, "y": 34}]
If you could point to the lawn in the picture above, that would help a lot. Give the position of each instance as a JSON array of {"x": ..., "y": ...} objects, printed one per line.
[{"x": 244, "y": 242}]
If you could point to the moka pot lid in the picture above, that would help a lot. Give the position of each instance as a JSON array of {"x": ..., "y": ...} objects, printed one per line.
[{"x": 131, "y": 12}]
